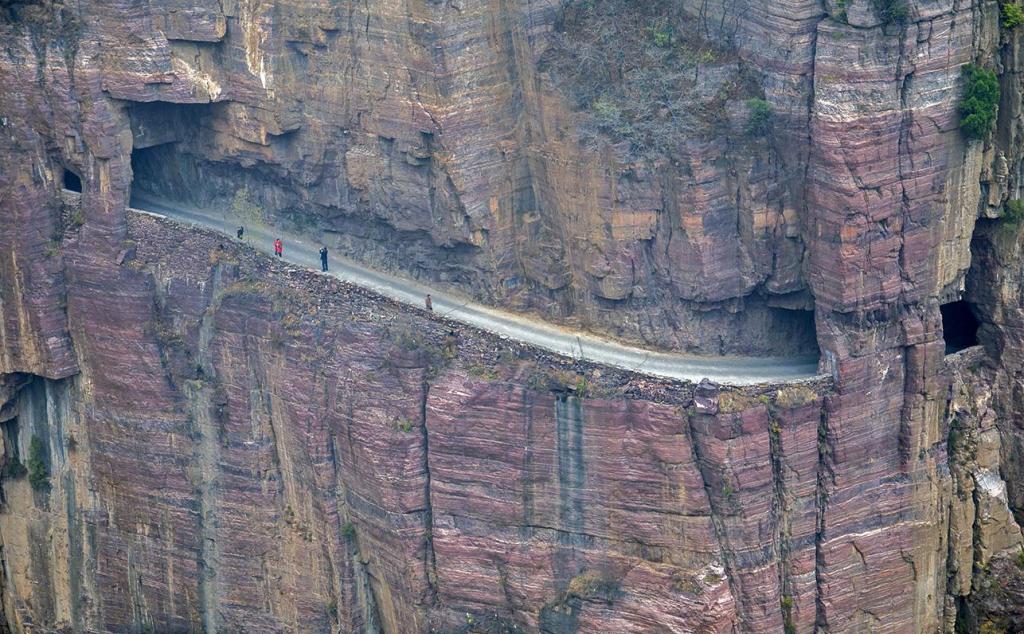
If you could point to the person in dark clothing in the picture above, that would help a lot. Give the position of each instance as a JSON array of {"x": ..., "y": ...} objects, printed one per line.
[
  {"x": 451, "y": 341},
  {"x": 278, "y": 247},
  {"x": 429, "y": 304},
  {"x": 323, "y": 259},
  {"x": 241, "y": 232}
]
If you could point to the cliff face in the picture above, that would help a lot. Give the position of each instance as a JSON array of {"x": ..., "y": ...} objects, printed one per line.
[
  {"x": 284, "y": 452},
  {"x": 196, "y": 439}
]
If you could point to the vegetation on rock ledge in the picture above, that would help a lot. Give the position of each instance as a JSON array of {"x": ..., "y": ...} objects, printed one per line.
[
  {"x": 892, "y": 11},
  {"x": 1013, "y": 15},
  {"x": 38, "y": 472},
  {"x": 761, "y": 114},
  {"x": 980, "y": 101}
]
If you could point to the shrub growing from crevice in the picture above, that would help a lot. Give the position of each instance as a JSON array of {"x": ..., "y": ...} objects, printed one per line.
[
  {"x": 980, "y": 101},
  {"x": 1013, "y": 15},
  {"x": 590, "y": 585},
  {"x": 1014, "y": 212},
  {"x": 841, "y": 11},
  {"x": 38, "y": 472},
  {"x": 348, "y": 531},
  {"x": 759, "y": 122},
  {"x": 892, "y": 11},
  {"x": 243, "y": 206},
  {"x": 788, "y": 627}
]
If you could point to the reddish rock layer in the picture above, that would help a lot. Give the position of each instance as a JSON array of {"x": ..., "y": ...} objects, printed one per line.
[{"x": 286, "y": 453}]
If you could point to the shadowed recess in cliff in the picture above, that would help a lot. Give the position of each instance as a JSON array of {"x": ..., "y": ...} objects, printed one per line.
[
  {"x": 72, "y": 181},
  {"x": 959, "y": 326},
  {"x": 162, "y": 133}
]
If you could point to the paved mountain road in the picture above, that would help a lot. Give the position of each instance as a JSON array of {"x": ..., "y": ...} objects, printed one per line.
[{"x": 304, "y": 252}]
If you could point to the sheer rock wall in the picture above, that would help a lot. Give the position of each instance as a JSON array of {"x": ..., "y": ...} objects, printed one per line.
[{"x": 228, "y": 448}]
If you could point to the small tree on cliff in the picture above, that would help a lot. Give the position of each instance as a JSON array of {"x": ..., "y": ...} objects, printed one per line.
[
  {"x": 892, "y": 11},
  {"x": 980, "y": 101},
  {"x": 759, "y": 122},
  {"x": 38, "y": 472},
  {"x": 243, "y": 206},
  {"x": 1013, "y": 15}
]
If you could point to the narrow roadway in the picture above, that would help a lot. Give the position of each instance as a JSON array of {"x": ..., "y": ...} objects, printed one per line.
[{"x": 732, "y": 370}]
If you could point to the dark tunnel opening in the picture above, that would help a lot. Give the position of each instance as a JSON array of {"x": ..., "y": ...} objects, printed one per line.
[
  {"x": 798, "y": 329},
  {"x": 166, "y": 138},
  {"x": 959, "y": 326},
  {"x": 157, "y": 173},
  {"x": 72, "y": 181}
]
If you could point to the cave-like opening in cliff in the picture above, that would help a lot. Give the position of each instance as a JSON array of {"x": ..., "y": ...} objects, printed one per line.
[
  {"x": 959, "y": 326},
  {"x": 9, "y": 432},
  {"x": 72, "y": 181},
  {"x": 167, "y": 138},
  {"x": 797, "y": 329}
]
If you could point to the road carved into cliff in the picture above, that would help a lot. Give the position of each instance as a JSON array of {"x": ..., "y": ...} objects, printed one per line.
[{"x": 732, "y": 370}]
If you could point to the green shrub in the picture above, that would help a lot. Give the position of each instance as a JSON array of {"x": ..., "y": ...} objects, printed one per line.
[
  {"x": 787, "y": 615},
  {"x": 662, "y": 37},
  {"x": 980, "y": 101},
  {"x": 14, "y": 469},
  {"x": 892, "y": 11},
  {"x": 244, "y": 207},
  {"x": 38, "y": 472},
  {"x": 1013, "y": 15},
  {"x": 1014, "y": 211},
  {"x": 607, "y": 114},
  {"x": 348, "y": 531},
  {"x": 1020, "y": 557},
  {"x": 761, "y": 115},
  {"x": 841, "y": 11}
]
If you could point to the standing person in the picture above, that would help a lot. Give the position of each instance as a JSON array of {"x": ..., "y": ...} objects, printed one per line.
[
  {"x": 451, "y": 341},
  {"x": 278, "y": 247},
  {"x": 241, "y": 232},
  {"x": 429, "y": 304},
  {"x": 323, "y": 259}
]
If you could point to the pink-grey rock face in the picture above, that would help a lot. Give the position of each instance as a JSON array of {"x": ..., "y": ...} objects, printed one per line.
[
  {"x": 298, "y": 457},
  {"x": 196, "y": 439}
]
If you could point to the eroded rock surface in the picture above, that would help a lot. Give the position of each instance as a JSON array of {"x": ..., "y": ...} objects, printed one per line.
[{"x": 198, "y": 439}]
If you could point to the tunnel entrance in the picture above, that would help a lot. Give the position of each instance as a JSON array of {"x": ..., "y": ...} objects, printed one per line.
[
  {"x": 72, "y": 181},
  {"x": 959, "y": 326},
  {"x": 167, "y": 139},
  {"x": 797, "y": 329}
]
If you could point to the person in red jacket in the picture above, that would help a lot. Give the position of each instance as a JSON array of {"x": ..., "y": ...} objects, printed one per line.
[{"x": 278, "y": 247}]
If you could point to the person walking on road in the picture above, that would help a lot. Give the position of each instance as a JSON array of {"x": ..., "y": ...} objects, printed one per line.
[
  {"x": 278, "y": 247},
  {"x": 241, "y": 232},
  {"x": 323, "y": 259},
  {"x": 429, "y": 304}
]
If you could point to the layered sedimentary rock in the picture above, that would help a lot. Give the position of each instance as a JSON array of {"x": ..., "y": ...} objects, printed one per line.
[
  {"x": 196, "y": 439},
  {"x": 435, "y": 133},
  {"x": 299, "y": 456}
]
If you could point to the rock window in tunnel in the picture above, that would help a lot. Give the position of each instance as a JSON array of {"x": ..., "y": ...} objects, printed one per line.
[
  {"x": 959, "y": 326},
  {"x": 72, "y": 181}
]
